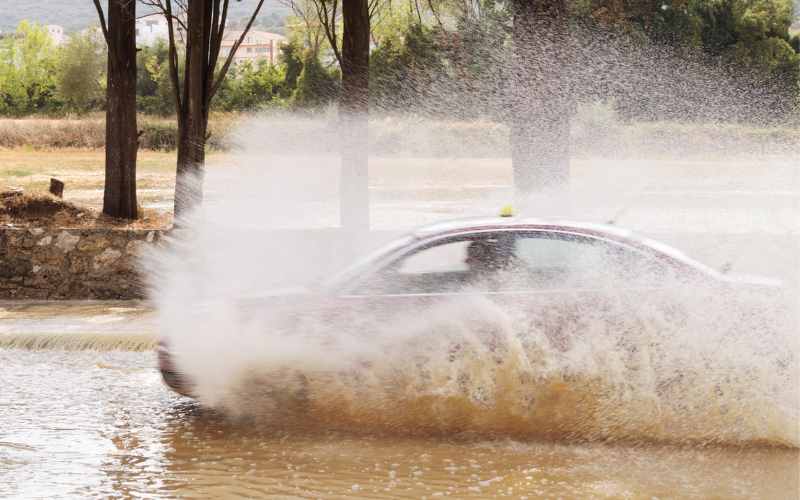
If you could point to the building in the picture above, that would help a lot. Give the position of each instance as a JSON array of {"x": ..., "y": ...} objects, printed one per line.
[
  {"x": 151, "y": 29},
  {"x": 256, "y": 46},
  {"x": 56, "y": 33}
]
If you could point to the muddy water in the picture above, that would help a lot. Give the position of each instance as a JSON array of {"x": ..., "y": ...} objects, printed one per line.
[{"x": 92, "y": 424}]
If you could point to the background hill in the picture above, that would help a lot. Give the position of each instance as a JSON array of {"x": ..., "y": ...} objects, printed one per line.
[{"x": 78, "y": 14}]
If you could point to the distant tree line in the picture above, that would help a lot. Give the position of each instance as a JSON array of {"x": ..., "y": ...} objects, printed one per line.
[{"x": 671, "y": 59}]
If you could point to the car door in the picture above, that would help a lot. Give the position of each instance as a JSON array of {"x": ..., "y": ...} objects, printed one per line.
[
  {"x": 427, "y": 280},
  {"x": 569, "y": 284}
]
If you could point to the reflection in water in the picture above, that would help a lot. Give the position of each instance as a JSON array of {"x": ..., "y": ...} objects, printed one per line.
[{"x": 89, "y": 424}]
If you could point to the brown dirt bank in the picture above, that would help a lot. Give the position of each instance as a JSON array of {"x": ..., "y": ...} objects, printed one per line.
[{"x": 44, "y": 210}]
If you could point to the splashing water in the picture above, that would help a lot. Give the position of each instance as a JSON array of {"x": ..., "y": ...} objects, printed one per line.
[{"x": 683, "y": 364}]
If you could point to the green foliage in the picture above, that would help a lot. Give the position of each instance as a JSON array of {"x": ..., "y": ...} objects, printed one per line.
[
  {"x": 795, "y": 43},
  {"x": 316, "y": 86},
  {"x": 80, "y": 73},
  {"x": 28, "y": 62},
  {"x": 249, "y": 87},
  {"x": 293, "y": 65},
  {"x": 753, "y": 36},
  {"x": 425, "y": 58},
  {"x": 437, "y": 70},
  {"x": 153, "y": 84},
  {"x": 403, "y": 69}
]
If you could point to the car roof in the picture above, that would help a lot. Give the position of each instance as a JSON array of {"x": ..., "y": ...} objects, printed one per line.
[
  {"x": 608, "y": 231},
  {"x": 478, "y": 224},
  {"x": 488, "y": 223}
]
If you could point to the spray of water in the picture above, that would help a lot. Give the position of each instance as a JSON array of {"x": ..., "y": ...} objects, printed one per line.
[{"x": 235, "y": 293}]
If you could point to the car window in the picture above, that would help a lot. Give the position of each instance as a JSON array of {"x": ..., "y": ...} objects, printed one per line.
[
  {"x": 448, "y": 257},
  {"x": 353, "y": 271},
  {"x": 551, "y": 260},
  {"x": 445, "y": 266}
]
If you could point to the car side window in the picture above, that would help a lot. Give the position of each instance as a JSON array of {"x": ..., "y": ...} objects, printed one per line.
[
  {"x": 446, "y": 258},
  {"x": 446, "y": 266},
  {"x": 552, "y": 260}
]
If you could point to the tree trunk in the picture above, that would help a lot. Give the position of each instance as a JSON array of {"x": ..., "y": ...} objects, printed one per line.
[
  {"x": 193, "y": 116},
  {"x": 354, "y": 110},
  {"x": 541, "y": 95},
  {"x": 119, "y": 197}
]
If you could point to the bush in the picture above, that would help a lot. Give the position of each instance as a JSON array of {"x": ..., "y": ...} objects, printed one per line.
[
  {"x": 27, "y": 69},
  {"x": 249, "y": 88},
  {"x": 158, "y": 136},
  {"x": 80, "y": 73},
  {"x": 154, "y": 93},
  {"x": 316, "y": 86}
]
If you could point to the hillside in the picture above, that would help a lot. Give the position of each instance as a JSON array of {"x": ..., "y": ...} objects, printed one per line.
[{"x": 77, "y": 14}]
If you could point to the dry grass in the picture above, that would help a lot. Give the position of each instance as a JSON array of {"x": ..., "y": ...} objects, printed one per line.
[
  {"x": 596, "y": 131},
  {"x": 88, "y": 132},
  {"x": 83, "y": 173},
  {"x": 80, "y": 169}
]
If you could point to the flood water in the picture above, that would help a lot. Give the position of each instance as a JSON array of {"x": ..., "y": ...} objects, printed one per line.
[{"x": 101, "y": 425}]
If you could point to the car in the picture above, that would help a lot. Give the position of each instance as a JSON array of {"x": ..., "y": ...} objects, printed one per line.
[{"x": 565, "y": 269}]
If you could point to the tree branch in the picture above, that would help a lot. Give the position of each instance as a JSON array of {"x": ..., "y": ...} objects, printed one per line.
[
  {"x": 173, "y": 59},
  {"x": 222, "y": 72},
  {"x": 373, "y": 7},
  {"x": 328, "y": 21},
  {"x": 103, "y": 25},
  {"x": 217, "y": 34},
  {"x": 162, "y": 10},
  {"x": 435, "y": 14}
]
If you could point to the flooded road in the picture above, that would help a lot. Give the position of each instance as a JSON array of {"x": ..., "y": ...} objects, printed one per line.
[
  {"x": 78, "y": 423},
  {"x": 83, "y": 412},
  {"x": 92, "y": 424}
]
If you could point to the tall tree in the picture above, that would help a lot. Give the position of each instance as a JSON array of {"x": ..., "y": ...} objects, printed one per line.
[
  {"x": 350, "y": 45},
  {"x": 203, "y": 23},
  {"x": 119, "y": 197},
  {"x": 354, "y": 187},
  {"x": 541, "y": 94}
]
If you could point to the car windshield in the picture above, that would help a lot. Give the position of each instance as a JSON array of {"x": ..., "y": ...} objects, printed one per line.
[{"x": 341, "y": 278}]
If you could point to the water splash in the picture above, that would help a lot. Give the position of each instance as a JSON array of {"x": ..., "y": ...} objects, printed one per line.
[{"x": 680, "y": 365}]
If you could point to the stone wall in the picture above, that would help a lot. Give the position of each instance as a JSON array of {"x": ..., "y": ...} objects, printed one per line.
[{"x": 57, "y": 263}]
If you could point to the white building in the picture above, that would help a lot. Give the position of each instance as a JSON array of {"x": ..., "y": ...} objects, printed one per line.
[
  {"x": 56, "y": 33},
  {"x": 151, "y": 29},
  {"x": 256, "y": 46}
]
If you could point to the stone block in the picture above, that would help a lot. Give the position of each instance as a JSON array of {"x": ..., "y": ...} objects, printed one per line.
[
  {"x": 93, "y": 243},
  {"x": 15, "y": 267},
  {"x": 67, "y": 241},
  {"x": 107, "y": 258}
]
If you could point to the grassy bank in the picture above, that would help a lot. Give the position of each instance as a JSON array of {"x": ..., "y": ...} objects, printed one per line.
[{"x": 595, "y": 132}]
